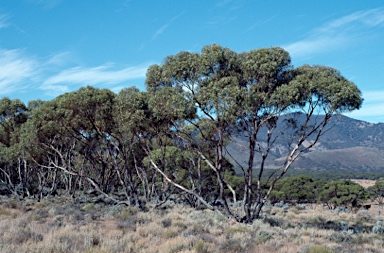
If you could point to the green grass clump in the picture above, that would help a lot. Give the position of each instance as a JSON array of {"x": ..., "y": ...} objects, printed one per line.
[
  {"x": 170, "y": 233},
  {"x": 234, "y": 230},
  {"x": 127, "y": 213},
  {"x": 201, "y": 247},
  {"x": 88, "y": 207},
  {"x": 319, "y": 249}
]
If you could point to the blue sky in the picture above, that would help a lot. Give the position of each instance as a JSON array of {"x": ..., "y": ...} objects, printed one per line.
[{"x": 49, "y": 47}]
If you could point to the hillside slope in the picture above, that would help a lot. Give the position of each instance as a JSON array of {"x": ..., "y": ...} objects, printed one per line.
[{"x": 349, "y": 145}]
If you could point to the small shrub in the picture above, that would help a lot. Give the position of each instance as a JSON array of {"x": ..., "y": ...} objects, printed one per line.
[
  {"x": 39, "y": 215},
  {"x": 363, "y": 215},
  {"x": 231, "y": 245},
  {"x": 340, "y": 237},
  {"x": 92, "y": 241},
  {"x": 201, "y": 247},
  {"x": 180, "y": 225},
  {"x": 68, "y": 242},
  {"x": 88, "y": 207},
  {"x": 274, "y": 222},
  {"x": 22, "y": 236},
  {"x": 4, "y": 212},
  {"x": 195, "y": 230},
  {"x": 177, "y": 248},
  {"x": 13, "y": 204},
  {"x": 263, "y": 236},
  {"x": 129, "y": 225},
  {"x": 319, "y": 249},
  {"x": 378, "y": 228},
  {"x": 233, "y": 230},
  {"x": 166, "y": 222},
  {"x": 170, "y": 233},
  {"x": 361, "y": 239},
  {"x": 126, "y": 213},
  {"x": 39, "y": 205}
]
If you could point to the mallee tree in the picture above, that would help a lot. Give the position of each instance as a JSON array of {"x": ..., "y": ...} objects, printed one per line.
[{"x": 250, "y": 93}]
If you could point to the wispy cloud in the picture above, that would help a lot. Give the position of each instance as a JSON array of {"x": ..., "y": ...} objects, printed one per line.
[
  {"x": 230, "y": 4},
  {"x": 162, "y": 29},
  {"x": 58, "y": 73},
  {"x": 337, "y": 33},
  {"x": 16, "y": 69},
  {"x": 59, "y": 60},
  {"x": 373, "y": 107},
  {"x": 47, "y": 4},
  {"x": 104, "y": 74},
  {"x": 228, "y": 11},
  {"x": 259, "y": 24},
  {"x": 4, "y": 21}
]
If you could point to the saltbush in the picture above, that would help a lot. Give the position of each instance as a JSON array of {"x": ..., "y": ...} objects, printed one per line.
[{"x": 378, "y": 228}]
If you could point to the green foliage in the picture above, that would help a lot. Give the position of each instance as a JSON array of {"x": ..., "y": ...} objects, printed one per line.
[
  {"x": 304, "y": 189},
  {"x": 300, "y": 189},
  {"x": 170, "y": 233},
  {"x": 377, "y": 191},
  {"x": 201, "y": 247},
  {"x": 319, "y": 249},
  {"x": 342, "y": 193}
]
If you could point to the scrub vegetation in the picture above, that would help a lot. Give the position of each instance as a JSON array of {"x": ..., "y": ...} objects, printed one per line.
[{"x": 62, "y": 224}]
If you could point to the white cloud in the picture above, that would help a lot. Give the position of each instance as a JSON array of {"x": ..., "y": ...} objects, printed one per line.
[
  {"x": 59, "y": 59},
  {"x": 162, "y": 29},
  {"x": 20, "y": 73},
  {"x": 337, "y": 33},
  {"x": 16, "y": 69},
  {"x": 4, "y": 21},
  {"x": 104, "y": 74},
  {"x": 372, "y": 109},
  {"x": 47, "y": 4}
]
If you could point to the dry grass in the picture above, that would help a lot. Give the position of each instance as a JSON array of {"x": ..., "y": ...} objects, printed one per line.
[
  {"x": 64, "y": 226},
  {"x": 364, "y": 182}
]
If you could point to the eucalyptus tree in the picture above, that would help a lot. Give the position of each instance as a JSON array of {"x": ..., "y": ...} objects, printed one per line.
[
  {"x": 342, "y": 193},
  {"x": 210, "y": 82},
  {"x": 377, "y": 191},
  {"x": 252, "y": 93},
  {"x": 131, "y": 115},
  {"x": 13, "y": 170},
  {"x": 72, "y": 134}
]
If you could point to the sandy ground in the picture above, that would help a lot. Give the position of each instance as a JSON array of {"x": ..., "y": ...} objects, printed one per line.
[{"x": 364, "y": 182}]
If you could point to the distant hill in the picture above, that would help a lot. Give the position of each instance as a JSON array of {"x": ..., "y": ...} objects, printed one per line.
[{"x": 349, "y": 146}]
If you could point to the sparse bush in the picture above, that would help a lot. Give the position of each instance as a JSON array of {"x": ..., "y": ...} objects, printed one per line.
[
  {"x": 126, "y": 225},
  {"x": 126, "y": 213},
  {"x": 180, "y": 225},
  {"x": 5, "y": 212},
  {"x": 177, "y": 248},
  {"x": 201, "y": 247},
  {"x": 363, "y": 215},
  {"x": 231, "y": 245},
  {"x": 22, "y": 236},
  {"x": 88, "y": 207},
  {"x": 170, "y": 233},
  {"x": 378, "y": 228},
  {"x": 13, "y": 204},
  {"x": 166, "y": 222},
  {"x": 274, "y": 222},
  {"x": 196, "y": 229},
  {"x": 263, "y": 236},
  {"x": 361, "y": 239},
  {"x": 233, "y": 230},
  {"x": 319, "y": 249},
  {"x": 339, "y": 237}
]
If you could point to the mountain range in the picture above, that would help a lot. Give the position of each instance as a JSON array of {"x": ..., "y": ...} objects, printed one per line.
[{"x": 348, "y": 146}]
